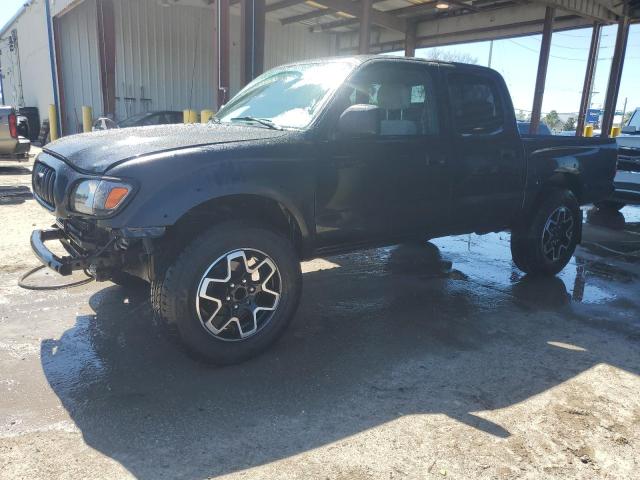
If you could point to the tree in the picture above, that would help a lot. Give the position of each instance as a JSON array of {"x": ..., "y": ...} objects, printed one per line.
[
  {"x": 450, "y": 56},
  {"x": 626, "y": 118},
  {"x": 569, "y": 125},
  {"x": 523, "y": 116},
  {"x": 552, "y": 120}
]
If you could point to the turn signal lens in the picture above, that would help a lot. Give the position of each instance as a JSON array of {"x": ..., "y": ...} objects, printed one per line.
[{"x": 116, "y": 195}]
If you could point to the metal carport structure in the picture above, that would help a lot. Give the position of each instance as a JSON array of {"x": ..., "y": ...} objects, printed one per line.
[
  {"x": 142, "y": 52},
  {"x": 374, "y": 26}
]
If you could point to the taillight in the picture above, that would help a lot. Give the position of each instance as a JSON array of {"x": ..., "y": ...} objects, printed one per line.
[{"x": 13, "y": 125}]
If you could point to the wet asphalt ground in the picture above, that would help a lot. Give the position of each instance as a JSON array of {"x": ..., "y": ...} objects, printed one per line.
[{"x": 417, "y": 361}]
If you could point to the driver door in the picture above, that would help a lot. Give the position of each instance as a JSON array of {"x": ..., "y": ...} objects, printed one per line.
[{"x": 391, "y": 185}]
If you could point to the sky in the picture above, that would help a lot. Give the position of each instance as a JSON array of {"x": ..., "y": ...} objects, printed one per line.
[
  {"x": 517, "y": 60},
  {"x": 8, "y": 8}
]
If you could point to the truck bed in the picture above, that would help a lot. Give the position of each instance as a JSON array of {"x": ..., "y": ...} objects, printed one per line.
[{"x": 592, "y": 161}]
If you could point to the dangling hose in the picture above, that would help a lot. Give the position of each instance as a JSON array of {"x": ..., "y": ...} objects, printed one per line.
[{"x": 21, "y": 281}]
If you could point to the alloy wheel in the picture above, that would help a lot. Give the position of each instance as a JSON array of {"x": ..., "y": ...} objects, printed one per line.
[
  {"x": 557, "y": 234},
  {"x": 238, "y": 294}
]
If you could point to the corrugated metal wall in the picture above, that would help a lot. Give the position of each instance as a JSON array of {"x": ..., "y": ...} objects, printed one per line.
[
  {"x": 283, "y": 44},
  {"x": 289, "y": 43},
  {"x": 80, "y": 64},
  {"x": 33, "y": 77},
  {"x": 164, "y": 57}
]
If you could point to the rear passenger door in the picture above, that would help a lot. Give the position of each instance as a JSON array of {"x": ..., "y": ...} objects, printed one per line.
[
  {"x": 487, "y": 159},
  {"x": 396, "y": 183}
]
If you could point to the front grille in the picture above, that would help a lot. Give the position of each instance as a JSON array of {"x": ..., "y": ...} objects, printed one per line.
[{"x": 43, "y": 180}]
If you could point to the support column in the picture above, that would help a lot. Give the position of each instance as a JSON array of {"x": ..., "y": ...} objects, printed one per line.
[
  {"x": 222, "y": 42},
  {"x": 585, "y": 101},
  {"x": 365, "y": 26},
  {"x": 615, "y": 74},
  {"x": 62, "y": 126},
  {"x": 541, "y": 77},
  {"x": 252, "y": 18},
  {"x": 107, "y": 52},
  {"x": 54, "y": 67},
  {"x": 410, "y": 39}
]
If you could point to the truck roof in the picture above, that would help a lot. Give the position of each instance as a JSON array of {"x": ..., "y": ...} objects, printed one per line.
[{"x": 360, "y": 59}]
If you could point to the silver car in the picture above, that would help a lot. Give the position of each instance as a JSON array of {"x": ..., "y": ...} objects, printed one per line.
[{"x": 12, "y": 145}]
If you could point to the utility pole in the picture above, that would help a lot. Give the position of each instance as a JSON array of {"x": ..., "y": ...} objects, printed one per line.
[
  {"x": 490, "y": 53},
  {"x": 624, "y": 110}
]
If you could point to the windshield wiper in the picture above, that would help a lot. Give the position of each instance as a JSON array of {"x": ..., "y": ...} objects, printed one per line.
[{"x": 262, "y": 121}]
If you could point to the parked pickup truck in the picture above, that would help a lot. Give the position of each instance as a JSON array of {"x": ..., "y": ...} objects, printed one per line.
[
  {"x": 12, "y": 144},
  {"x": 310, "y": 159},
  {"x": 627, "y": 180}
]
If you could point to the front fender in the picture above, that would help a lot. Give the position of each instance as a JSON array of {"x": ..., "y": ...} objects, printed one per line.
[{"x": 173, "y": 183}]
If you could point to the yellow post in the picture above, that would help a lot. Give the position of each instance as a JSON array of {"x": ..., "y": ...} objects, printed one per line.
[
  {"x": 87, "y": 118},
  {"x": 189, "y": 116},
  {"x": 588, "y": 130},
  {"x": 615, "y": 131},
  {"x": 205, "y": 116},
  {"x": 53, "y": 123}
]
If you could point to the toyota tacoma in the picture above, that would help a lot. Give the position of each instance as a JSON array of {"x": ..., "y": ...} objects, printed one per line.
[{"x": 310, "y": 159}]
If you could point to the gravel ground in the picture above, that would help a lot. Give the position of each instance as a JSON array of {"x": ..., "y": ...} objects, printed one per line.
[{"x": 425, "y": 361}]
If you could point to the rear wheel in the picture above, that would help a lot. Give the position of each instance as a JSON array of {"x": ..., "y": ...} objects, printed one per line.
[
  {"x": 544, "y": 244},
  {"x": 232, "y": 291}
]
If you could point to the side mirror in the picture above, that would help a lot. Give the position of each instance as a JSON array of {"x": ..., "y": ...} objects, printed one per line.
[
  {"x": 359, "y": 121},
  {"x": 630, "y": 129}
]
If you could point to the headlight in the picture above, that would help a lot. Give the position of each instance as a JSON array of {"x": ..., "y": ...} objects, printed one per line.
[{"x": 99, "y": 197}]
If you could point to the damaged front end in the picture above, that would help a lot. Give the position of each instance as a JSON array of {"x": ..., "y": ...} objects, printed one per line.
[
  {"x": 98, "y": 251},
  {"x": 79, "y": 201}
]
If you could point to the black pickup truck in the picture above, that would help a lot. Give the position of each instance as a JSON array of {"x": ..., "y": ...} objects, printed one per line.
[{"x": 310, "y": 159}]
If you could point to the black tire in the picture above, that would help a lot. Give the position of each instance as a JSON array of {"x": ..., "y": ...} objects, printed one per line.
[
  {"x": 180, "y": 291},
  {"x": 610, "y": 205},
  {"x": 528, "y": 239}
]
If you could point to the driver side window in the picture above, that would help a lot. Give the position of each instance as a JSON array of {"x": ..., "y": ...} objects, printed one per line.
[{"x": 404, "y": 94}]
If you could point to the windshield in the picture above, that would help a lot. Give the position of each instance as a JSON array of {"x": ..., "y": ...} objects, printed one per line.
[{"x": 289, "y": 96}]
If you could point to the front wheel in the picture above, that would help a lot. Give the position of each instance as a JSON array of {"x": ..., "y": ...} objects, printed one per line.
[
  {"x": 232, "y": 292},
  {"x": 544, "y": 244}
]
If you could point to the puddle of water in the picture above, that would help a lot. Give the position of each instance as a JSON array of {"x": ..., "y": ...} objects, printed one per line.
[{"x": 487, "y": 259}]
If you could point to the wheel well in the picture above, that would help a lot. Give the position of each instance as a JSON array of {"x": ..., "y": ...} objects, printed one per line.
[
  {"x": 567, "y": 181},
  {"x": 256, "y": 209}
]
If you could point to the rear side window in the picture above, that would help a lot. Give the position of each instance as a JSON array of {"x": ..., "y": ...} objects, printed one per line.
[{"x": 476, "y": 104}]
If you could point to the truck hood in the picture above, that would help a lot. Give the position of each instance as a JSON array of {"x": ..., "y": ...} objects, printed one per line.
[{"x": 96, "y": 152}]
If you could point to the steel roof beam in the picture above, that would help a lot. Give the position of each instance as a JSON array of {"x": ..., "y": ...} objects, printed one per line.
[
  {"x": 347, "y": 22},
  {"x": 282, "y": 4},
  {"x": 591, "y": 9},
  {"x": 321, "y": 12},
  {"x": 413, "y": 10},
  {"x": 379, "y": 18}
]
